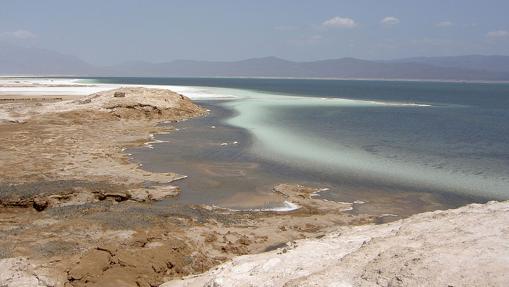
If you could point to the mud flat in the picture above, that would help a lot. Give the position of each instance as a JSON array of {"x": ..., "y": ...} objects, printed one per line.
[{"x": 75, "y": 211}]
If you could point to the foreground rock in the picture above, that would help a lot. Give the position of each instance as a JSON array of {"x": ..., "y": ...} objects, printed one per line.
[
  {"x": 468, "y": 246},
  {"x": 137, "y": 243},
  {"x": 70, "y": 152}
]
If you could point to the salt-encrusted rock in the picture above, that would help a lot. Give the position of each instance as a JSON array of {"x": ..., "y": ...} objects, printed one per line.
[
  {"x": 14, "y": 272},
  {"x": 468, "y": 246}
]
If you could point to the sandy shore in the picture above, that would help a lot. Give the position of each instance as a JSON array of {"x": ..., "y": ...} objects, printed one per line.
[{"x": 74, "y": 211}]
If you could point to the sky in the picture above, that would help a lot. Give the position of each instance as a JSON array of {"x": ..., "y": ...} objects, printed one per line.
[{"x": 110, "y": 32}]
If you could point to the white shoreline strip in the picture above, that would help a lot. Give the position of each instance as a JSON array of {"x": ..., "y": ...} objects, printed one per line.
[
  {"x": 287, "y": 206},
  {"x": 44, "y": 87},
  {"x": 79, "y": 87}
]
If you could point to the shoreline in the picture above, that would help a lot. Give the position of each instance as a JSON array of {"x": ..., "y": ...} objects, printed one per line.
[
  {"x": 469, "y": 242},
  {"x": 63, "y": 215},
  {"x": 280, "y": 78},
  {"x": 337, "y": 156},
  {"x": 217, "y": 137},
  {"x": 82, "y": 214}
]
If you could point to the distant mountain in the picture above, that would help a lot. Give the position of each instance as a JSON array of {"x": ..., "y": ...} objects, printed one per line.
[
  {"x": 33, "y": 61},
  {"x": 15, "y": 60},
  {"x": 336, "y": 68},
  {"x": 473, "y": 62},
  {"x": 259, "y": 67}
]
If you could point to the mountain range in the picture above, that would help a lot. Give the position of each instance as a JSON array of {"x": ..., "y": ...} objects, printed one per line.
[{"x": 35, "y": 61}]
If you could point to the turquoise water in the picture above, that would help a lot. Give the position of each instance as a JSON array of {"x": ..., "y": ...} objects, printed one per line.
[{"x": 449, "y": 137}]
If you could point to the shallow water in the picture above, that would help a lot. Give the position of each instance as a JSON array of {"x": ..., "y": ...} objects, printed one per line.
[
  {"x": 222, "y": 171},
  {"x": 411, "y": 144},
  {"x": 400, "y": 146}
]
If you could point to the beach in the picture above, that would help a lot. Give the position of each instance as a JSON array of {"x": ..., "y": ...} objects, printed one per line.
[{"x": 78, "y": 209}]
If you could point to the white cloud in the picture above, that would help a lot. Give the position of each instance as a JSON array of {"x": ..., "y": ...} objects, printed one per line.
[
  {"x": 498, "y": 34},
  {"x": 390, "y": 20},
  {"x": 340, "y": 22},
  {"x": 18, "y": 35},
  {"x": 444, "y": 24}
]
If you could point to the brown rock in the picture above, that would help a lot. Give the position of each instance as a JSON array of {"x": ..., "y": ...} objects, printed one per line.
[
  {"x": 91, "y": 264},
  {"x": 117, "y": 196},
  {"x": 161, "y": 192},
  {"x": 211, "y": 237},
  {"x": 40, "y": 203},
  {"x": 138, "y": 194},
  {"x": 154, "y": 193},
  {"x": 244, "y": 240}
]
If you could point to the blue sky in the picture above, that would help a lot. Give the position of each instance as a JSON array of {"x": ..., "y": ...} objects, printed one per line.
[{"x": 107, "y": 32}]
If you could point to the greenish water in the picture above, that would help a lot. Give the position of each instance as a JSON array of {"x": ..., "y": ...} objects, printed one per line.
[{"x": 362, "y": 136}]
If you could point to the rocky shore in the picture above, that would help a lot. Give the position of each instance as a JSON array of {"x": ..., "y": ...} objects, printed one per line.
[
  {"x": 468, "y": 246},
  {"x": 76, "y": 147},
  {"x": 75, "y": 211}
]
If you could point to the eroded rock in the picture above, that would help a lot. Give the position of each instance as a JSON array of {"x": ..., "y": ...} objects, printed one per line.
[
  {"x": 441, "y": 248},
  {"x": 145, "y": 265},
  {"x": 92, "y": 263}
]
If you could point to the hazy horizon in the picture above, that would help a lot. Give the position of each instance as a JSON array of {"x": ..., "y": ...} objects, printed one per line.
[{"x": 112, "y": 32}]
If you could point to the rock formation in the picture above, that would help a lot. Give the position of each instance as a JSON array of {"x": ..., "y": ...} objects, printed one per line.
[{"x": 468, "y": 246}]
